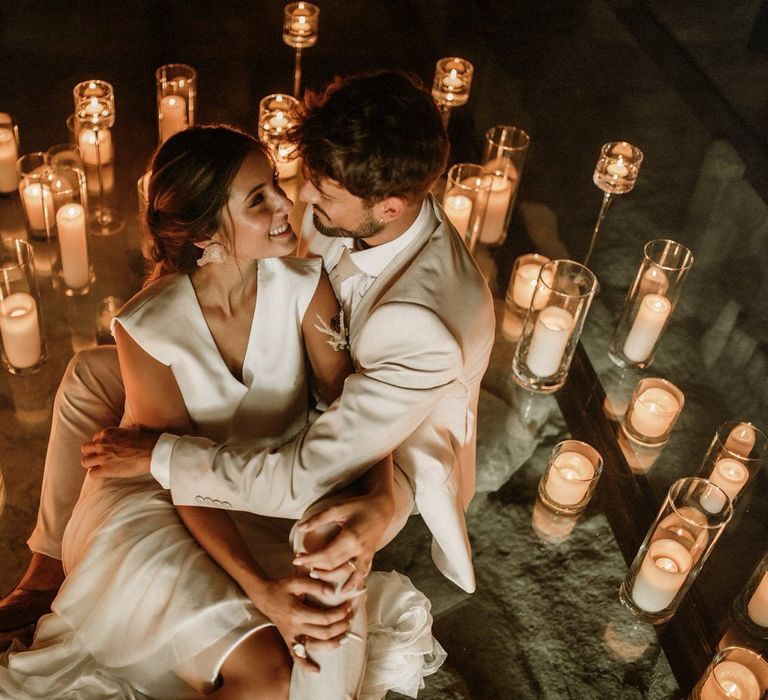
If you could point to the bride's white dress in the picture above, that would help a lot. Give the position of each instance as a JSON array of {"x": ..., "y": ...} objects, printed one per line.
[{"x": 144, "y": 612}]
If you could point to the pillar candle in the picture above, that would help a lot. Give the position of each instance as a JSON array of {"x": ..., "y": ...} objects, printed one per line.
[
  {"x": 499, "y": 200},
  {"x": 524, "y": 286},
  {"x": 653, "y": 412},
  {"x": 9, "y": 154},
  {"x": 741, "y": 440},
  {"x": 73, "y": 241},
  {"x": 549, "y": 340},
  {"x": 654, "y": 281},
  {"x": 458, "y": 207},
  {"x": 568, "y": 478},
  {"x": 730, "y": 679},
  {"x": 730, "y": 475},
  {"x": 757, "y": 608},
  {"x": 33, "y": 197},
  {"x": 20, "y": 330},
  {"x": 651, "y": 316},
  {"x": 173, "y": 116},
  {"x": 87, "y": 142},
  {"x": 661, "y": 575}
]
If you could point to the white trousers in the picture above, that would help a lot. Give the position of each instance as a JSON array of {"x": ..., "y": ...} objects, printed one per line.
[{"x": 91, "y": 397}]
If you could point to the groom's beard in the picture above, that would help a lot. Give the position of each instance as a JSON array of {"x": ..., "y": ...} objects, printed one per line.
[{"x": 369, "y": 227}]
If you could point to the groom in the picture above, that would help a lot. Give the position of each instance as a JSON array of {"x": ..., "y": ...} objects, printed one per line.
[{"x": 420, "y": 321}]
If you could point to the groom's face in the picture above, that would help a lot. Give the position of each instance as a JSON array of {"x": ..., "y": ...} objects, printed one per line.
[{"x": 337, "y": 212}]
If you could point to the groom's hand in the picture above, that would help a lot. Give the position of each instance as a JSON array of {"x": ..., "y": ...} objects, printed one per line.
[{"x": 116, "y": 452}]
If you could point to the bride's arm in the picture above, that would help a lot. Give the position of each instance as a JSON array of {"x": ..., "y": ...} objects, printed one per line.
[{"x": 156, "y": 404}]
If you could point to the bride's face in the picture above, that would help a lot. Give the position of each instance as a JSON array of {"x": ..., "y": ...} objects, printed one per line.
[{"x": 257, "y": 212}]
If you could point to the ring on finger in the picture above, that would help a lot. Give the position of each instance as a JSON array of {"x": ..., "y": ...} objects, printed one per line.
[{"x": 299, "y": 650}]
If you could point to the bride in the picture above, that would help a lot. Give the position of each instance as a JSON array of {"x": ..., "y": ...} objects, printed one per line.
[{"x": 219, "y": 344}]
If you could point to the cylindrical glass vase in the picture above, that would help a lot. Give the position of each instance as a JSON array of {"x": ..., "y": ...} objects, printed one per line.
[
  {"x": 504, "y": 156},
  {"x": 675, "y": 548},
  {"x": 453, "y": 82},
  {"x": 735, "y": 673},
  {"x": 653, "y": 411},
  {"x": 571, "y": 476},
  {"x": 553, "y": 324},
  {"x": 737, "y": 452},
  {"x": 9, "y": 154},
  {"x": 650, "y": 302},
  {"x": 522, "y": 285},
  {"x": 277, "y": 114},
  {"x": 21, "y": 316},
  {"x": 465, "y": 199},
  {"x": 176, "y": 95},
  {"x": 300, "y": 24},
  {"x": 37, "y": 203},
  {"x": 751, "y": 605}
]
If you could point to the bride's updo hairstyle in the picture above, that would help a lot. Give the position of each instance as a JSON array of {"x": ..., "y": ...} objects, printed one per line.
[{"x": 189, "y": 189}]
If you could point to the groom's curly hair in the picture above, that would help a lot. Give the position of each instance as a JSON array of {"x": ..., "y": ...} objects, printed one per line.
[
  {"x": 377, "y": 134},
  {"x": 189, "y": 187}
]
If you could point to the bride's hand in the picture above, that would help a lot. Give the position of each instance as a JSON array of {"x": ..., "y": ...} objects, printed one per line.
[
  {"x": 281, "y": 601},
  {"x": 363, "y": 521},
  {"x": 117, "y": 452}
]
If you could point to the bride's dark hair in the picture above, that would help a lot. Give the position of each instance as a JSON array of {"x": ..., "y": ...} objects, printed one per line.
[{"x": 189, "y": 187}]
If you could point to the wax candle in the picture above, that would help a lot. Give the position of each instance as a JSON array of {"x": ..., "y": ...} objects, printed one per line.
[
  {"x": 499, "y": 199},
  {"x": 19, "y": 330},
  {"x": 730, "y": 475},
  {"x": 524, "y": 286},
  {"x": 458, "y": 207},
  {"x": 452, "y": 81},
  {"x": 279, "y": 121},
  {"x": 730, "y": 680},
  {"x": 741, "y": 440},
  {"x": 617, "y": 169},
  {"x": 300, "y": 26},
  {"x": 757, "y": 608},
  {"x": 173, "y": 116},
  {"x": 33, "y": 197},
  {"x": 661, "y": 575},
  {"x": 9, "y": 154},
  {"x": 652, "y": 315},
  {"x": 713, "y": 499},
  {"x": 549, "y": 340},
  {"x": 653, "y": 412},
  {"x": 568, "y": 478},
  {"x": 654, "y": 281},
  {"x": 87, "y": 142},
  {"x": 73, "y": 242}
]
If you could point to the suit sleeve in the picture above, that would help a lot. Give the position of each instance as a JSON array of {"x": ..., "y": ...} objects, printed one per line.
[{"x": 406, "y": 359}]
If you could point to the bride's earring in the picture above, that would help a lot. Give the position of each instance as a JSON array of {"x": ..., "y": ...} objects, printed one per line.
[{"x": 214, "y": 252}]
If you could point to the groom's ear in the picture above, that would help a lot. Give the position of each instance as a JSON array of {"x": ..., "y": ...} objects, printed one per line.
[{"x": 389, "y": 209}]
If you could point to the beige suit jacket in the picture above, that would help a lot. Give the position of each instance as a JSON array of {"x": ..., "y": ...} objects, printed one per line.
[{"x": 420, "y": 338}]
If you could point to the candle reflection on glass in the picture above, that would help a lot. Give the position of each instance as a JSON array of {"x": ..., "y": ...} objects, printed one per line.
[{"x": 757, "y": 608}]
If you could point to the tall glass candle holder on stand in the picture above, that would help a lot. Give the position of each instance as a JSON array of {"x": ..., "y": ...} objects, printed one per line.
[
  {"x": 653, "y": 411},
  {"x": 95, "y": 113},
  {"x": 276, "y": 115},
  {"x": 465, "y": 199},
  {"x": 522, "y": 285},
  {"x": 553, "y": 324},
  {"x": 176, "y": 95},
  {"x": 301, "y": 22},
  {"x": 735, "y": 673},
  {"x": 452, "y": 84},
  {"x": 21, "y": 315},
  {"x": 37, "y": 203},
  {"x": 504, "y": 156},
  {"x": 571, "y": 476},
  {"x": 675, "y": 548},
  {"x": 615, "y": 173},
  {"x": 751, "y": 605},
  {"x": 9, "y": 154},
  {"x": 650, "y": 302},
  {"x": 71, "y": 271},
  {"x": 737, "y": 452}
]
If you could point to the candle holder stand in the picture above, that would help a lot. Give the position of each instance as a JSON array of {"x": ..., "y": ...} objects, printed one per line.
[
  {"x": 452, "y": 85},
  {"x": 300, "y": 30}
]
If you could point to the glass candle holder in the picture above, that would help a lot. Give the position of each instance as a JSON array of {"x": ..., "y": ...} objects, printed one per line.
[
  {"x": 276, "y": 117},
  {"x": 674, "y": 550},
  {"x": 95, "y": 114},
  {"x": 751, "y": 605},
  {"x": 653, "y": 411},
  {"x": 176, "y": 85},
  {"x": 522, "y": 285},
  {"x": 571, "y": 476},
  {"x": 21, "y": 316},
  {"x": 504, "y": 156},
  {"x": 37, "y": 203},
  {"x": 650, "y": 302},
  {"x": 564, "y": 292},
  {"x": 737, "y": 451},
  {"x": 301, "y": 24},
  {"x": 452, "y": 83},
  {"x": 465, "y": 199},
  {"x": 9, "y": 154},
  {"x": 734, "y": 673}
]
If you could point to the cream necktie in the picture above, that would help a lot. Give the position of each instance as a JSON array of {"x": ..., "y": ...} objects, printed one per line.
[{"x": 343, "y": 270}]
